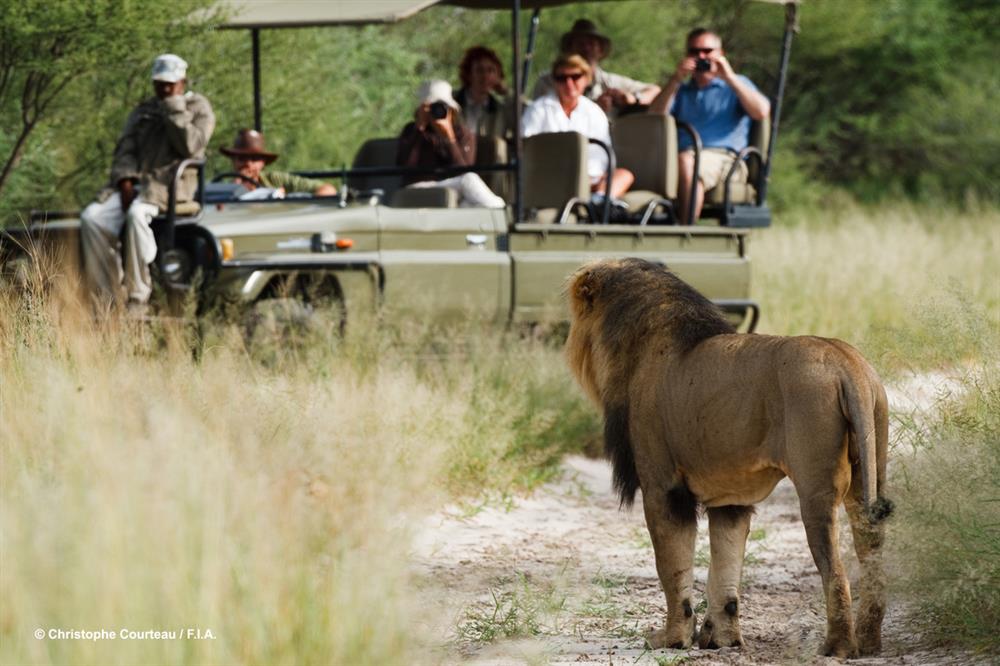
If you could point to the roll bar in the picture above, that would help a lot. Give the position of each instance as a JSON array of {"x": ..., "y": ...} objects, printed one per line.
[{"x": 791, "y": 27}]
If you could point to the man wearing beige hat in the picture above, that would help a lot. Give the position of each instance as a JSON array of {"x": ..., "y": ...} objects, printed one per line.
[
  {"x": 163, "y": 130},
  {"x": 612, "y": 92}
]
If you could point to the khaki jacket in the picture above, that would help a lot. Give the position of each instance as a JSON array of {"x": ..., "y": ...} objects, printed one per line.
[{"x": 157, "y": 136}]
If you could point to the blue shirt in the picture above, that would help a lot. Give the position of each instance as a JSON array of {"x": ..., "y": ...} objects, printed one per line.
[{"x": 715, "y": 112}]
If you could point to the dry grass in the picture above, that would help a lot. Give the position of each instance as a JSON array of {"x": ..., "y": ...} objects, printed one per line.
[
  {"x": 265, "y": 494},
  {"x": 158, "y": 477},
  {"x": 945, "y": 538},
  {"x": 913, "y": 288}
]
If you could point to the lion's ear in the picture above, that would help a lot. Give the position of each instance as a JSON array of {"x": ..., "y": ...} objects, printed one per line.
[{"x": 586, "y": 288}]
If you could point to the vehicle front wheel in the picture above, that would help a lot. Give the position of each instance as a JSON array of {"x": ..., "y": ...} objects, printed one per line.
[{"x": 299, "y": 309}]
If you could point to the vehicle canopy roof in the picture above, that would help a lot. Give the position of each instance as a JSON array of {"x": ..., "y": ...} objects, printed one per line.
[{"x": 305, "y": 13}]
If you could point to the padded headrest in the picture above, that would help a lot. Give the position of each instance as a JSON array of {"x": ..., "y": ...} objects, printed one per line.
[
  {"x": 555, "y": 169},
  {"x": 646, "y": 145}
]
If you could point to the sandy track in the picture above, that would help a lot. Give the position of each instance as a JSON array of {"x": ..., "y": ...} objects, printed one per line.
[{"x": 570, "y": 568}]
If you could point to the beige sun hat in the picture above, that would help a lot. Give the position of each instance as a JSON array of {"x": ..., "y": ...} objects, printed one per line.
[
  {"x": 169, "y": 68},
  {"x": 437, "y": 90}
]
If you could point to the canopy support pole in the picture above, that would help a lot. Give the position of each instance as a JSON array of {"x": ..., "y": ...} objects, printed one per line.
[
  {"x": 518, "y": 84},
  {"x": 791, "y": 27},
  {"x": 529, "y": 55},
  {"x": 255, "y": 40}
]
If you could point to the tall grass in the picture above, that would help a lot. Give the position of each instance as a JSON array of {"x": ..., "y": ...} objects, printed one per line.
[
  {"x": 945, "y": 538},
  {"x": 895, "y": 280},
  {"x": 153, "y": 479},
  {"x": 163, "y": 476}
]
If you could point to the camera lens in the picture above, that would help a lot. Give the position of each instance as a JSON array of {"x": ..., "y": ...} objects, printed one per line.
[
  {"x": 703, "y": 65},
  {"x": 439, "y": 110}
]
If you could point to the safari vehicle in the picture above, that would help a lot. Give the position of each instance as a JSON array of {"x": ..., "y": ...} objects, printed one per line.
[{"x": 414, "y": 249}]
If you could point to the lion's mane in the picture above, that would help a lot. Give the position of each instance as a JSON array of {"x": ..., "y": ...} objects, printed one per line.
[{"x": 619, "y": 306}]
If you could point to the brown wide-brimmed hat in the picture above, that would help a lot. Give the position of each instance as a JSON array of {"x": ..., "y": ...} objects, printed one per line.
[
  {"x": 585, "y": 27},
  {"x": 249, "y": 143}
]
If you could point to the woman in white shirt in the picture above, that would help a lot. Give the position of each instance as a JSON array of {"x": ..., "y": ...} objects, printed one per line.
[{"x": 568, "y": 110}]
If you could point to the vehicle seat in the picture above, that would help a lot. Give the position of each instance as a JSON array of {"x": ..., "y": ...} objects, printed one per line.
[
  {"x": 187, "y": 208},
  {"x": 646, "y": 145},
  {"x": 742, "y": 190},
  {"x": 424, "y": 197},
  {"x": 492, "y": 150},
  {"x": 555, "y": 175},
  {"x": 377, "y": 153},
  {"x": 489, "y": 151}
]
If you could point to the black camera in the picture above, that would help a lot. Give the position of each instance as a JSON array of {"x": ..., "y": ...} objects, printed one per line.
[
  {"x": 703, "y": 65},
  {"x": 439, "y": 110}
]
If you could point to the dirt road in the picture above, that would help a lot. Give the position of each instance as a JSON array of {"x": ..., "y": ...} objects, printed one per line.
[{"x": 564, "y": 577}]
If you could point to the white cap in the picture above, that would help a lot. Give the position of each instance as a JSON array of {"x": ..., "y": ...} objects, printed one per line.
[
  {"x": 437, "y": 90},
  {"x": 170, "y": 68}
]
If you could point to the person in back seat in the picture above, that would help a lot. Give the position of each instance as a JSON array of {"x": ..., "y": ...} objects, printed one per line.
[
  {"x": 438, "y": 138},
  {"x": 161, "y": 132},
  {"x": 249, "y": 158},
  {"x": 719, "y": 104},
  {"x": 614, "y": 93},
  {"x": 567, "y": 110},
  {"x": 485, "y": 108}
]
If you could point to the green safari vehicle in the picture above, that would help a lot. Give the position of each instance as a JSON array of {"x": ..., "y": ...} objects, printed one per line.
[{"x": 379, "y": 244}]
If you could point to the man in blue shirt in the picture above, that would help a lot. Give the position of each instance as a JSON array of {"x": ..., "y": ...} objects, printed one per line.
[{"x": 705, "y": 92}]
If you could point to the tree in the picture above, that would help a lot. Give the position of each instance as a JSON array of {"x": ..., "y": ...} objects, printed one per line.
[{"x": 46, "y": 44}]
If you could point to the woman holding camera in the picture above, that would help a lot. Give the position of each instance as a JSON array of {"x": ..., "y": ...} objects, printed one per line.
[{"x": 437, "y": 138}]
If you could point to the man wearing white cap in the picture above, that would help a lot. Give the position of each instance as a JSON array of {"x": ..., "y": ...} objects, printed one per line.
[
  {"x": 437, "y": 138},
  {"x": 159, "y": 133}
]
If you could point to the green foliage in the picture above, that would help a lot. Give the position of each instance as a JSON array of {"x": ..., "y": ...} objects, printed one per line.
[
  {"x": 517, "y": 608},
  {"x": 66, "y": 70},
  {"x": 895, "y": 98},
  {"x": 887, "y": 99}
]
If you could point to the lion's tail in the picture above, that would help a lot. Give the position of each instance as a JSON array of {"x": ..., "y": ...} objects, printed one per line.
[{"x": 866, "y": 408}]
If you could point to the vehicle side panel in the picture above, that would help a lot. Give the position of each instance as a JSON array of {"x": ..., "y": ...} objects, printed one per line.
[
  {"x": 713, "y": 260},
  {"x": 444, "y": 262}
]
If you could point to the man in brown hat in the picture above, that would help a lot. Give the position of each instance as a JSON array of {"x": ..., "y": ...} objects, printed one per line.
[
  {"x": 612, "y": 92},
  {"x": 163, "y": 130},
  {"x": 249, "y": 158}
]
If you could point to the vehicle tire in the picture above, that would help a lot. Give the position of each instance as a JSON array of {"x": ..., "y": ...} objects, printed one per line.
[{"x": 297, "y": 309}]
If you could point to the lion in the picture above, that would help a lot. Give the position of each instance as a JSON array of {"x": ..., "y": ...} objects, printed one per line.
[{"x": 697, "y": 414}]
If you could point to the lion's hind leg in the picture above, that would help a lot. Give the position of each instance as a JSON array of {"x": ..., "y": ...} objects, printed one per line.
[
  {"x": 671, "y": 517},
  {"x": 728, "y": 528},
  {"x": 819, "y": 515},
  {"x": 869, "y": 535}
]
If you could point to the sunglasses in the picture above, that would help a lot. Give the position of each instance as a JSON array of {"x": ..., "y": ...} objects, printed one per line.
[
  {"x": 694, "y": 50},
  {"x": 563, "y": 78}
]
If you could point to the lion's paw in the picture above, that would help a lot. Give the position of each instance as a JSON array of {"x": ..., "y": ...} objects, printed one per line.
[
  {"x": 719, "y": 634},
  {"x": 839, "y": 648},
  {"x": 665, "y": 638},
  {"x": 870, "y": 641}
]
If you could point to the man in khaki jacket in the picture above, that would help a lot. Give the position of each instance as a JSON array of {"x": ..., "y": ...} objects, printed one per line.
[{"x": 159, "y": 133}]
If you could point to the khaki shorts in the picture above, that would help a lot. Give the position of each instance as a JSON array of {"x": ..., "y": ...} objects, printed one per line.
[{"x": 714, "y": 165}]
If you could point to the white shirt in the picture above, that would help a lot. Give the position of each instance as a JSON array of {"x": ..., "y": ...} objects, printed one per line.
[{"x": 546, "y": 114}]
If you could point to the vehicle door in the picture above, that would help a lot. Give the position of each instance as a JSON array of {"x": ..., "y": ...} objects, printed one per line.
[{"x": 444, "y": 262}]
